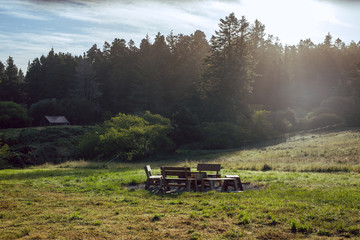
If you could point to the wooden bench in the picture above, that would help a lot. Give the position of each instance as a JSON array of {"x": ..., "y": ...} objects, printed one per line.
[
  {"x": 210, "y": 167},
  {"x": 211, "y": 181},
  {"x": 152, "y": 180},
  {"x": 176, "y": 177},
  {"x": 230, "y": 183}
]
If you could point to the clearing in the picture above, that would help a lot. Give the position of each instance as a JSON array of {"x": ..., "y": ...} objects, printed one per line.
[{"x": 306, "y": 187}]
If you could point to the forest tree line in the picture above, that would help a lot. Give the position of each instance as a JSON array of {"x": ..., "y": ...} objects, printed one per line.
[{"x": 242, "y": 78}]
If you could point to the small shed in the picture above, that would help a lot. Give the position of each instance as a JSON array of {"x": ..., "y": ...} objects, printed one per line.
[{"x": 55, "y": 120}]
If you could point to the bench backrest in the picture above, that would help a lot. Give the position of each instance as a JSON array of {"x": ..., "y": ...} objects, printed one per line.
[
  {"x": 181, "y": 172},
  {"x": 209, "y": 167},
  {"x": 148, "y": 171}
]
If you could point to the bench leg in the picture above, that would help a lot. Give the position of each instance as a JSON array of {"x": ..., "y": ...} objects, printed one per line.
[
  {"x": 161, "y": 185},
  {"x": 195, "y": 185},
  {"x": 188, "y": 185},
  {"x": 147, "y": 184},
  {"x": 225, "y": 186},
  {"x": 240, "y": 185},
  {"x": 212, "y": 185},
  {"x": 236, "y": 185}
]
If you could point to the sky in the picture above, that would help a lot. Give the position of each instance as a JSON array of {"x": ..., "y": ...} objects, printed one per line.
[{"x": 30, "y": 28}]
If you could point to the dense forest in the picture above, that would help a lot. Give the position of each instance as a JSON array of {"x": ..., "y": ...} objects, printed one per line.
[{"x": 242, "y": 82}]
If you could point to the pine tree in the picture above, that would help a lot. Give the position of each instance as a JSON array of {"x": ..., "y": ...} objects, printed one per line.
[
  {"x": 85, "y": 84},
  {"x": 11, "y": 82},
  {"x": 34, "y": 82},
  {"x": 229, "y": 76}
]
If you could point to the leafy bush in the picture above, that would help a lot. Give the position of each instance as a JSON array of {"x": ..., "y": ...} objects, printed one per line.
[
  {"x": 222, "y": 135},
  {"x": 283, "y": 121},
  {"x": 87, "y": 146},
  {"x": 345, "y": 107},
  {"x": 262, "y": 128},
  {"x": 321, "y": 117},
  {"x": 5, "y": 155},
  {"x": 33, "y": 146},
  {"x": 186, "y": 129},
  {"x": 13, "y": 115},
  {"x": 129, "y": 137}
]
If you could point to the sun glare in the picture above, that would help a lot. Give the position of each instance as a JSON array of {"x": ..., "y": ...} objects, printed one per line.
[{"x": 292, "y": 20}]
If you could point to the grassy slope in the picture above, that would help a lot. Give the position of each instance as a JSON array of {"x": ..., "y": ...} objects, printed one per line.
[{"x": 318, "y": 198}]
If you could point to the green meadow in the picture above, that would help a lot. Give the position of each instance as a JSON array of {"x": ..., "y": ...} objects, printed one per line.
[{"x": 305, "y": 188}]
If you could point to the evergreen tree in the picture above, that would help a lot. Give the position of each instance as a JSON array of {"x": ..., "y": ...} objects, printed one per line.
[
  {"x": 152, "y": 87},
  {"x": 2, "y": 72},
  {"x": 85, "y": 84},
  {"x": 11, "y": 82},
  {"x": 229, "y": 76},
  {"x": 34, "y": 82}
]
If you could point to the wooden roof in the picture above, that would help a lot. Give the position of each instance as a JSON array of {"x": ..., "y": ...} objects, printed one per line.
[{"x": 57, "y": 120}]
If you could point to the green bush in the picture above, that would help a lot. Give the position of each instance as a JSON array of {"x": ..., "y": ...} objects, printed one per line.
[
  {"x": 321, "y": 117},
  {"x": 222, "y": 135},
  {"x": 262, "y": 128},
  {"x": 13, "y": 115},
  {"x": 5, "y": 155},
  {"x": 33, "y": 146},
  {"x": 87, "y": 146},
  {"x": 186, "y": 129},
  {"x": 282, "y": 121},
  {"x": 345, "y": 107},
  {"x": 129, "y": 137}
]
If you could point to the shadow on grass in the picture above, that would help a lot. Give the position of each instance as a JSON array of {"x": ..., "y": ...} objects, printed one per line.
[{"x": 27, "y": 174}]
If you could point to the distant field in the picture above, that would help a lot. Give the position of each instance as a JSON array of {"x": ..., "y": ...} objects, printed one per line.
[{"x": 310, "y": 189}]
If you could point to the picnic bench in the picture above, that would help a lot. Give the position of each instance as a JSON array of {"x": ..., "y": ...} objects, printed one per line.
[
  {"x": 152, "y": 180},
  {"x": 211, "y": 179},
  {"x": 176, "y": 177},
  {"x": 209, "y": 167},
  {"x": 182, "y": 177}
]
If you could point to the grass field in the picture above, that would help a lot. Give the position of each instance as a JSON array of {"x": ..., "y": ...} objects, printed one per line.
[{"x": 311, "y": 189}]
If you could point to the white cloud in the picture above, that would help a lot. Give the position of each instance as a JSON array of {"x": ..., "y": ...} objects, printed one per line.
[
  {"x": 75, "y": 25},
  {"x": 21, "y": 9}
]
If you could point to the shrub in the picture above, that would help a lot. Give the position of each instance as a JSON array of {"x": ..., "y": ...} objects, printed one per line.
[
  {"x": 13, "y": 115},
  {"x": 222, "y": 135},
  {"x": 186, "y": 129},
  {"x": 345, "y": 107},
  {"x": 266, "y": 167},
  {"x": 130, "y": 137},
  {"x": 321, "y": 117},
  {"x": 87, "y": 147},
  {"x": 33, "y": 146},
  {"x": 282, "y": 121},
  {"x": 261, "y": 126},
  {"x": 5, "y": 155}
]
